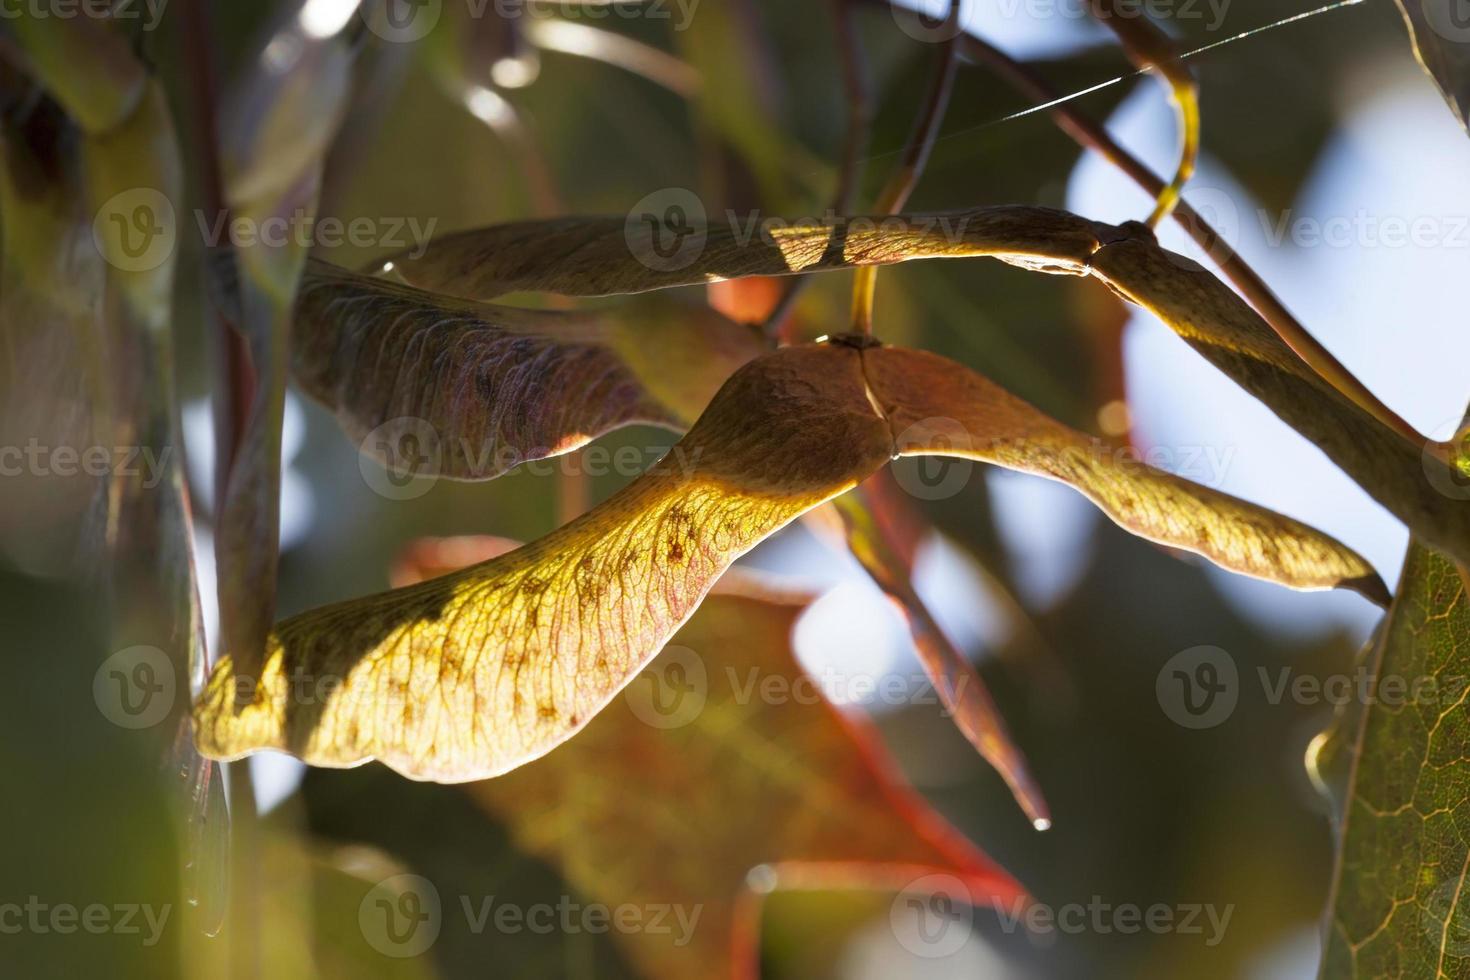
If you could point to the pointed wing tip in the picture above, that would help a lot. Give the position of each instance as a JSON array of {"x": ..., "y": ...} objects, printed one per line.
[{"x": 1370, "y": 587}]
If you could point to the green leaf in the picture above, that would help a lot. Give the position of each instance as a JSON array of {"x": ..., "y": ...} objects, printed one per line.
[{"x": 1400, "y": 905}]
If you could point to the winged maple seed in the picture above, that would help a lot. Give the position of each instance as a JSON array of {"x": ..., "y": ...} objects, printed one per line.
[
  {"x": 475, "y": 673},
  {"x": 496, "y": 385},
  {"x": 599, "y": 256}
]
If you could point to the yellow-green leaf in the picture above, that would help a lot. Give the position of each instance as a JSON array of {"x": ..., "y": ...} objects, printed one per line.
[
  {"x": 86, "y": 63},
  {"x": 474, "y": 673}
]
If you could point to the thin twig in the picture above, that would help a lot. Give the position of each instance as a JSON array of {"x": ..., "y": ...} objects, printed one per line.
[
  {"x": 1094, "y": 137},
  {"x": 646, "y": 61},
  {"x": 915, "y": 155},
  {"x": 857, "y": 85},
  {"x": 1150, "y": 48},
  {"x": 235, "y": 390}
]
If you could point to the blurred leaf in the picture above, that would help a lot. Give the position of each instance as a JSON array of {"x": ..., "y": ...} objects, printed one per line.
[
  {"x": 516, "y": 655},
  {"x": 86, "y": 63},
  {"x": 87, "y": 315},
  {"x": 133, "y": 173},
  {"x": 737, "y": 95},
  {"x": 1441, "y": 40},
  {"x": 1399, "y": 905},
  {"x": 806, "y": 795},
  {"x": 748, "y": 300},
  {"x": 54, "y": 363},
  {"x": 480, "y": 389}
]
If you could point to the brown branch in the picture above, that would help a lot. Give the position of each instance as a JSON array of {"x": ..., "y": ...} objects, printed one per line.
[
  {"x": 235, "y": 390},
  {"x": 231, "y": 352},
  {"x": 1094, "y": 137}
]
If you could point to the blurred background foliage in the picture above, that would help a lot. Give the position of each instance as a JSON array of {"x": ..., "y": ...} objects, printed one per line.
[{"x": 1145, "y": 811}]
